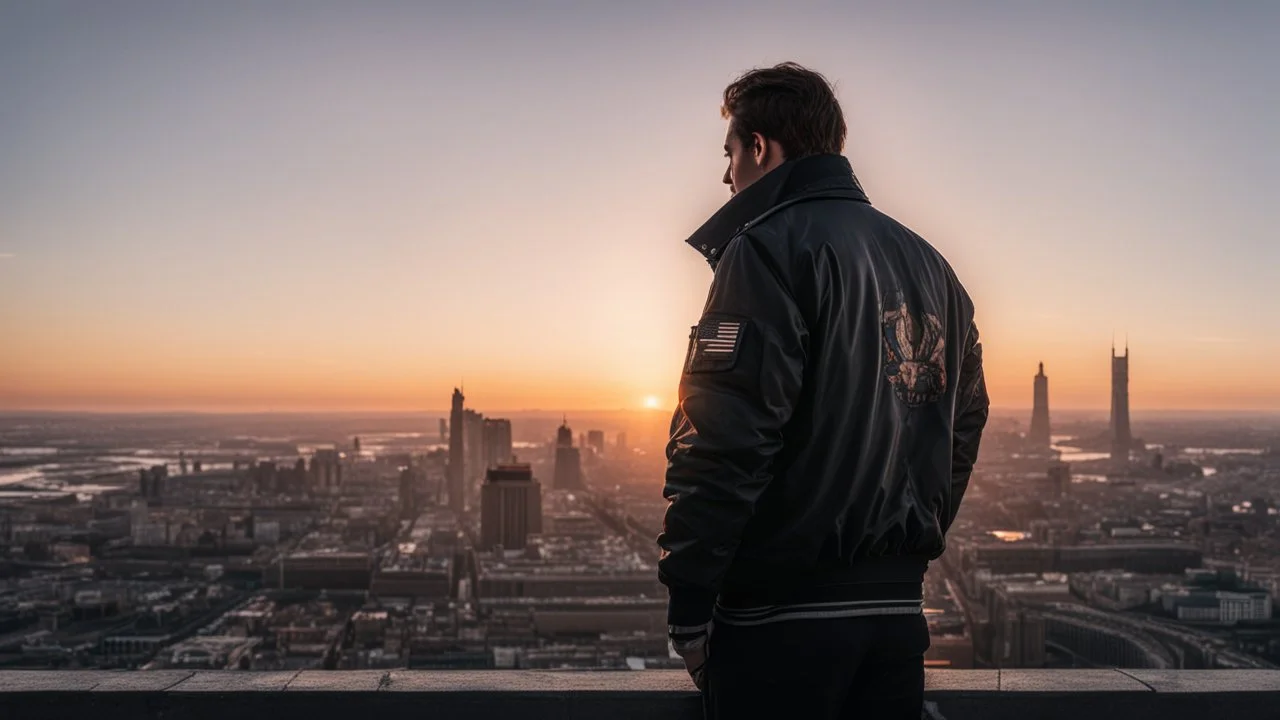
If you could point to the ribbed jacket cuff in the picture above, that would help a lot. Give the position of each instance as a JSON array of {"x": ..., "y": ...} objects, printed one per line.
[{"x": 690, "y": 607}]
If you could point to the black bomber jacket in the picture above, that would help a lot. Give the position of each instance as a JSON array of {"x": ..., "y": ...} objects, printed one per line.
[{"x": 831, "y": 403}]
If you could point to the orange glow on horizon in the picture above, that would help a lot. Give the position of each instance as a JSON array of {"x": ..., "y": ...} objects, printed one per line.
[
  {"x": 273, "y": 386},
  {"x": 56, "y": 373}
]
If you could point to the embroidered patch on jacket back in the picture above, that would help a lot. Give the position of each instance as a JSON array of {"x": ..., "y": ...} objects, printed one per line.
[
  {"x": 714, "y": 344},
  {"x": 914, "y": 355}
]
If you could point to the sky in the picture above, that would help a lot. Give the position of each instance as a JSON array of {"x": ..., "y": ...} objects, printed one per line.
[{"x": 310, "y": 205}]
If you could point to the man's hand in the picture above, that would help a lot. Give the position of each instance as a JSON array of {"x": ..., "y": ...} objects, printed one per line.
[
  {"x": 695, "y": 661},
  {"x": 692, "y": 644}
]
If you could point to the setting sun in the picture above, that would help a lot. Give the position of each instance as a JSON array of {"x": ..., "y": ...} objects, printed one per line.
[{"x": 652, "y": 402}]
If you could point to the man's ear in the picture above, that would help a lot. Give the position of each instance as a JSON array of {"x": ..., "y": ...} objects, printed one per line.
[
  {"x": 767, "y": 153},
  {"x": 759, "y": 149}
]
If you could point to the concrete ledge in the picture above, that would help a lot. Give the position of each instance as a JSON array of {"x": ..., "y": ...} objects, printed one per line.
[{"x": 534, "y": 695}]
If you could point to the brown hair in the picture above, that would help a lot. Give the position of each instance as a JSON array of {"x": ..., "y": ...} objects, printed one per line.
[{"x": 790, "y": 104}]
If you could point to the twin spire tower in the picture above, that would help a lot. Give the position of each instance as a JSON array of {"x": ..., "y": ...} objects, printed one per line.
[{"x": 1120, "y": 432}]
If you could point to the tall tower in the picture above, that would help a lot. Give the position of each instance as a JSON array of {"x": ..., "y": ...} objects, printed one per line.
[
  {"x": 326, "y": 472},
  {"x": 408, "y": 492},
  {"x": 510, "y": 507},
  {"x": 473, "y": 446},
  {"x": 595, "y": 440},
  {"x": 497, "y": 442},
  {"x": 457, "y": 461},
  {"x": 1039, "y": 434},
  {"x": 568, "y": 474},
  {"x": 1121, "y": 436}
]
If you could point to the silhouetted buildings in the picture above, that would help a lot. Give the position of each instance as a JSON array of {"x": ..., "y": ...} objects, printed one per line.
[
  {"x": 151, "y": 482},
  {"x": 267, "y": 478},
  {"x": 409, "y": 492},
  {"x": 1049, "y": 565},
  {"x": 1059, "y": 478},
  {"x": 595, "y": 441},
  {"x": 568, "y": 461},
  {"x": 1038, "y": 437},
  {"x": 262, "y": 477},
  {"x": 497, "y": 443},
  {"x": 510, "y": 507},
  {"x": 457, "y": 454},
  {"x": 1121, "y": 435},
  {"x": 473, "y": 442},
  {"x": 326, "y": 472}
]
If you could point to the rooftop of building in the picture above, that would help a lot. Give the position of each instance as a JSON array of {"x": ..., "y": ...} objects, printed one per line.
[
  {"x": 606, "y": 602},
  {"x": 391, "y": 695}
]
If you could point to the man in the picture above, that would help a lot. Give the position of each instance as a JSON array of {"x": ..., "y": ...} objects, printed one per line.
[{"x": 831, "y": 407}]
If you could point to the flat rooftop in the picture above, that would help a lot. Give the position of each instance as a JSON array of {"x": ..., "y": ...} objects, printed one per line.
[{"x": 537, "y": 695}]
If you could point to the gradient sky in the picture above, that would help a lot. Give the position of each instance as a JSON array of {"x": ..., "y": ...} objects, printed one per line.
[{"x": 340, "y": 205}]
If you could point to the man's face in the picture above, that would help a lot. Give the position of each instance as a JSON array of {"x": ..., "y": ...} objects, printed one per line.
[{"x": 744, "y": 159}]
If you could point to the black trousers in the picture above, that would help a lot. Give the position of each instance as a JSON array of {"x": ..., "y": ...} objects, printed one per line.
[{"x": 863, "y": 667}]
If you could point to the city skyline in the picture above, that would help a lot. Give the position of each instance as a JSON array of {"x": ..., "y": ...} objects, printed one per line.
[{"x": 207, "y": 209}]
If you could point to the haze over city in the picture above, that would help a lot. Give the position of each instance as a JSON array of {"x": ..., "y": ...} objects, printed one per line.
[{"x": 331, "y": 206}]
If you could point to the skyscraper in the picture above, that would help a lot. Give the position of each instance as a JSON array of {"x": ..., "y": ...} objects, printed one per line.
[
  {"x": 568, "y": 460},
  {"x": 510, "y": 507},
  {"x": 595, "y": 440},
  {"x": 457, "y": 460},
  {"x": 444, "y": 430},
  {"x": 1038, "y": 437},
  {"x": 1060, "y": 478},
  {"x": 409, "y": 492},
  {"x": 326, "y": 472},
  {"x": 1121, "y": 436},
  {"x": 473, "y": 443},
  {"x": 265, "y": 478},
  {"x": 299, "y": 479},
  {"x": 497, "y": 442},
  {"x": 152, "y": 481}
]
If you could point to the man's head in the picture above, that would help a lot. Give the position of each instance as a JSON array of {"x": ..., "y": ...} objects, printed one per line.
[{"x": 777, "y": 114}]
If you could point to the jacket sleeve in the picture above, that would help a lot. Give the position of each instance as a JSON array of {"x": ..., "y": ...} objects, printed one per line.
[
  {"x": 741, "y": 380},
  {"x": 972, "y": 406}
]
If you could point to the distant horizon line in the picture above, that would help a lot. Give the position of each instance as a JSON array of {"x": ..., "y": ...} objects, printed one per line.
[{"x": 557, "y": 412}]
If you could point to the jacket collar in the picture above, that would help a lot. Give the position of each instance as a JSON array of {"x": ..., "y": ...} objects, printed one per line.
[{"x": 813, "y": 176}]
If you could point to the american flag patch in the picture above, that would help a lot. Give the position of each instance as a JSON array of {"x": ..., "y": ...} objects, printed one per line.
[
  {"x": 720, "y": 336},
  {"x": 714, "y": 344}
]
